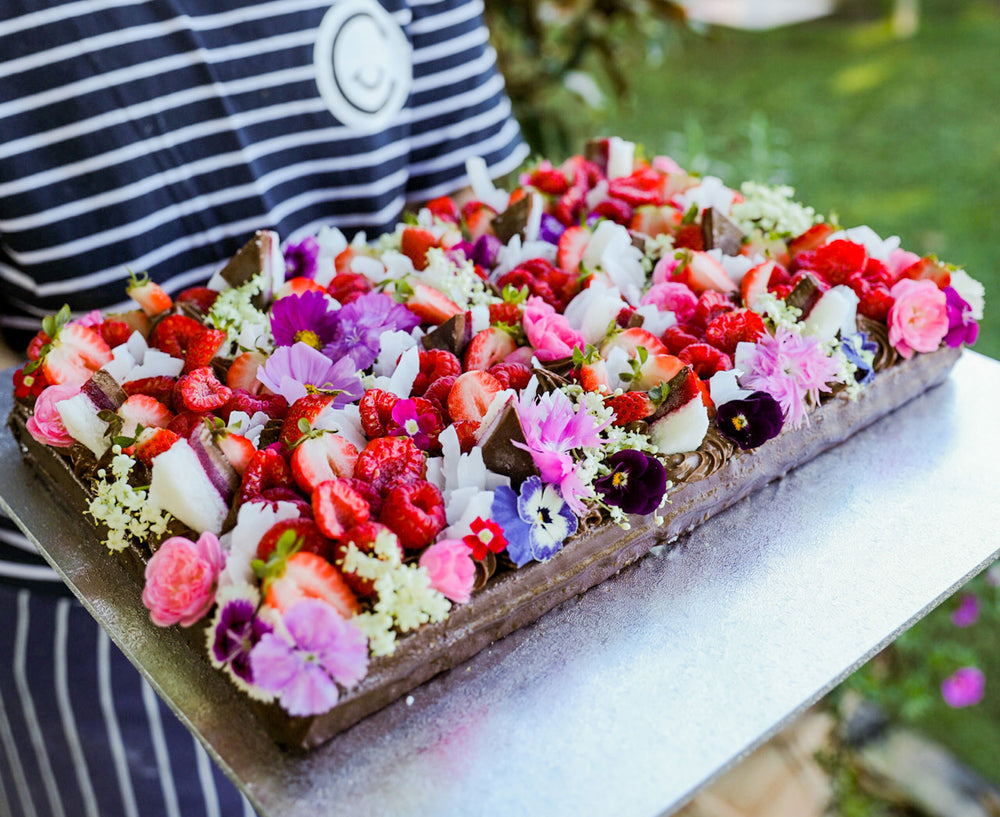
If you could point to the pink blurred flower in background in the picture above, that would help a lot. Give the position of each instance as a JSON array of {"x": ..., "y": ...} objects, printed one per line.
[{"x": 964, "y": 687}]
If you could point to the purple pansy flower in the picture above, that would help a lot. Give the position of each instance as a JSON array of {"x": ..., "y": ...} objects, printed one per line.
[
  {"x": 324, "y": 650},
  {"x": 861, "y": 352},
  {"x": 301, "y": 258},
  {"x": 964, "y": 687},
  {"x": 962, "y": 327},
  {"x": 304, "y": 318},
  {"x": 295, "y": 371},
  {"x": 418, "y": 427},
  {"x": 636, "y": 483},
  {"x": 236, "y": 630},
  {"x": 361, "y": 323},
  {"x": 751, "y": 421},
  {"x": 535, "y": 523}
]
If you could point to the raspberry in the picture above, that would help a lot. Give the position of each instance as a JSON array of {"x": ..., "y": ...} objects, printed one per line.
[
  {"x": 368, "y": 492},
  {"x": 570, "y": 206},
  {"x": 201, "y": 390},
  {"x": 728, "y": 329},
  {"x": 548, "y": 282},
  {"x": 834, "y": 262},
  {"x": 434, "y": 364},
  {"x": 678, "y": 336},
  {"x": 511, "y": 375},
  {"x": 114, "y": 332},
  {"x": 705, "y": 359},
  {"x": 548, "y": 180},
  {"x": 437, "y": 393},
  {"x": 629, "y": 407},
  {"x": 387, "y": 460},
  {"x": 615, "y": 210},
  {"x": 711, "y": 304},
  {"x": 505, "y": 312},
  {"x": 273, "y": 405},
  {"x": 466, "y": 430},
  {"x": 874, "y": 299},
  {"x": 347, "y": 286},
  {"x": 376, "y": 412},
  {"x": 337, "y": 507},
  {"x": 267, "y": 469},
  {"x": 878, "y": 272},
  {"x": 414, "y": 511},
  {"x": 185, "y": 422},
  {"x": 624, "y": 317},
  {"x": 173, "y": 333},
  {"x": 303, "y": 528}
]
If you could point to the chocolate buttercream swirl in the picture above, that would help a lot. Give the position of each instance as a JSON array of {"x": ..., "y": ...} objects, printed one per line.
[
  {"x": 878, "y": 332},
  {"x": 714, "y": 452}
]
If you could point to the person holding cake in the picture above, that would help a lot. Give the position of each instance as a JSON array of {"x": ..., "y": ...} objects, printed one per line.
[{"x": 150, "y": 136}]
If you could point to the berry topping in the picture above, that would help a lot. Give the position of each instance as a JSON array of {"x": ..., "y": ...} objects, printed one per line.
[
  {"x": 415, "y": 512},
  {"x": 390, "y": 459},
  {"x": 705, "y": 359},
  {"x": 731, "y": 328},
  {"x": 201, "y": 390},
  {"x": 337, "y": 507}
]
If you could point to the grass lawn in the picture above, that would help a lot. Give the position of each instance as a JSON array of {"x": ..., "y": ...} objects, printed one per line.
[{"x": 902, "y": 135}]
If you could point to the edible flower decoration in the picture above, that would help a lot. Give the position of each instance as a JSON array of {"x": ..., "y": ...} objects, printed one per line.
[
  {"x": 962, "y": 326},
  {"x": 301, "y": 258},
  {"x": 860, "y": 352},
  {"x": 918, "y": 318},
  {"x": 486, "y": 537},
  {"x": 535, "y": 522},
  {"x": 422, "y": 428},
  {"x": 297, "y": 370},
  {"x": 235, "y": 630},
  {"x": 304, "y": 318},
  {"x": 636, "y": 483},
  {"x": 750, "y": 421},
  {"x": 361, "y": 323},
  {"x": 181, "y": 579}
]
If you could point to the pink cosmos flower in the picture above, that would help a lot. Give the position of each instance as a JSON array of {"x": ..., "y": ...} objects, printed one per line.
[
  {"x": 549, "y": 332},
  {"x": 964, "y": 687},
  {"x": 672, "y": 296},
  {"x": 45, "y": 425},
  {"x": 918, "y": 317},
  {"x": 181, "y": 579},
  {"x": 450, "y": 566}
]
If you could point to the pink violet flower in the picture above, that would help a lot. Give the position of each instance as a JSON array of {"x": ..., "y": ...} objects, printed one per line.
[
  {"x": 789, "y": 367},
  {"x": 964, "y": 687},
  {"x": 181, "y": 579},
  {"x": 321, "y": 650},
  {"x": 967, "y": 612},
  {"x": 449, "y": 564},
  {"x": 548, "y": 331},
  {"x": 918, "y": 317},
  {"x": 672, "y": 296},
  {"x": 421, "y": 428},
  {"x": 45, "y": 424}
]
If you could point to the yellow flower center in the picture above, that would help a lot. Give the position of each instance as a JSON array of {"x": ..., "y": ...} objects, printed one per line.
[
  {"x": 739, "y": 422},
  {"x": 618, "y": 479},
  {"x": 309, "y": 337}
]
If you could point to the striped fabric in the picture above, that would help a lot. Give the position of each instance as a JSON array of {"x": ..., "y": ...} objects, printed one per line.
[{"x": 157, "y": 135}]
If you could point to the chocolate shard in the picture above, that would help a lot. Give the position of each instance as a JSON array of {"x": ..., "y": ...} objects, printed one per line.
[
  {"x": 513, "y": 220},
  {"x": 596, "y": 151},
  {"x": 453, "y": 335},
  {"x": 805, "y": 294},
  {"x": 719, "y": 232},
  {"x": 255, "y": 257},
  {"x": 104, "y": 391},
  {"x": 499, "y": 452}
]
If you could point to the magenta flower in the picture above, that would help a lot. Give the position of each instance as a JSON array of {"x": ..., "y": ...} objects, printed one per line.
[
  {"x": 360, "y": 325},
  {"x": 967, "y": 612},
  {"x": 304, "y": 318},
  {"x": 789, "y": 367},
  {"x": 964, "y": 687},
  {"x": 553, "y": 428},
  {"x": 297, "y": 370},
  {"x": 421, "y": 428},
  {"x": 300, "y": 259},
  {"x": 324, "y": 650},
  {"x": 962, "y": 327}
]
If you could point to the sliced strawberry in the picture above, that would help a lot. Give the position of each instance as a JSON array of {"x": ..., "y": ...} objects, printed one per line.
[
  {"x": 570, "y": 206},
  {"x": 390, "y": 459},
  {"x": 173, "y": 334},
  {"x": 471, "y": 396},
  {"x": 414, "y": 244},
  {"x": 75, "y": 353},
  {"x": 656, "y": 370},
  {"x": 242, "y": 373},
  {"x": 755, "y": 282},
  {"x": 298, "y": 286},
  {"x": 237, "y": 449},
  {"x": 306, "y": 531},
  {"x": 928, "y": 267},
  {"x": 444, "y": 208},
  {"x": 614, "y": 210},
  {"x": 690, "y": 237},
  {"x": 594, "y": 377},
  {"x": 307, "y": 409},
  {"x": 632, "y": 339},
  {"x": 347, "y": 286},
  {"x": 375, "y": 408},
  {"x": 363, "y": 537},
  {"x": 431, "y": 305},
  {"x": 153, "y": 441},
  {"x": 200, "y": 298},
  {"x": 488, "y": 347},
  {"x": 630, "y": 406},
  {"x": 811, "y": 239},
  {"x": 415, "y": 513},
  {"x": 653, "y": 221},
  {"x": 149, "y": 295},
  {"x": 643, "y": 187},
  {"x": 310, "y": 576},
  {"x": 337, "y": 507},
  {"x": 143, "y": 410},
  {"x": 201, "y": 390},
  {"x": 702, "y": 272},
  {"x": 266, "y": 469},
  {"x": 320, "y": 458},
  {"x": 572, "y": 245},
  {"x": 547, "y": 179},
  {"x": 477, "y": 218},
  {"x": 114, "y": 332},
  {"x": 202, "y": 348}
]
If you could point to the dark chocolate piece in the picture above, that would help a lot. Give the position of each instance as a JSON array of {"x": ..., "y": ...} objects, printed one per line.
[
  {"x": 453, "y": 335},
  {"x": 499, "y": 453},
  {"x": 513, "y": 220},
  {"x": 806, "y": 294},
  {"x": 719, "y": 232}
]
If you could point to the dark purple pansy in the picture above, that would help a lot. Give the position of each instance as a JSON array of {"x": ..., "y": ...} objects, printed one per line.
[
  {"x": 751, "y": 421},
  {"x": 300, "y": 259},
  {"x": 962, "y": 327},
  {"x": 636, "y": 483},
  {"x": 237, "y": 630},
  {"x": 304, "y": 318}
]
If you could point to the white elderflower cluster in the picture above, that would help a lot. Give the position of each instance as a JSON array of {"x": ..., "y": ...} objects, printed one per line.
[
  {"x": 773, "y": 210},
  {"x": 233, "y": 312},
  {"x": 122, "y": 508}
]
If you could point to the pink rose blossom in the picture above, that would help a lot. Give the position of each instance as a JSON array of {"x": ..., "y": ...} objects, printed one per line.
[
  {"x": 672, "y": 296},
  {"x": 964, "y": 687},
  {"x": 181, "y": 579},
  {"x": 452, "y": 571},
  {"x": 45, "y": 425},
  {"x": 549, "y": 332},
  {"x": 918, "y": 317}
]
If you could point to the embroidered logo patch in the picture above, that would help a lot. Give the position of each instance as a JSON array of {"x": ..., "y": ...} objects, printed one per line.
[{"x": 363, "y": 64}]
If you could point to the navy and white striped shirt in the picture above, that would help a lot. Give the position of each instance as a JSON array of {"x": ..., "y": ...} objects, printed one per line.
[{"x": 157, "y": 135}]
